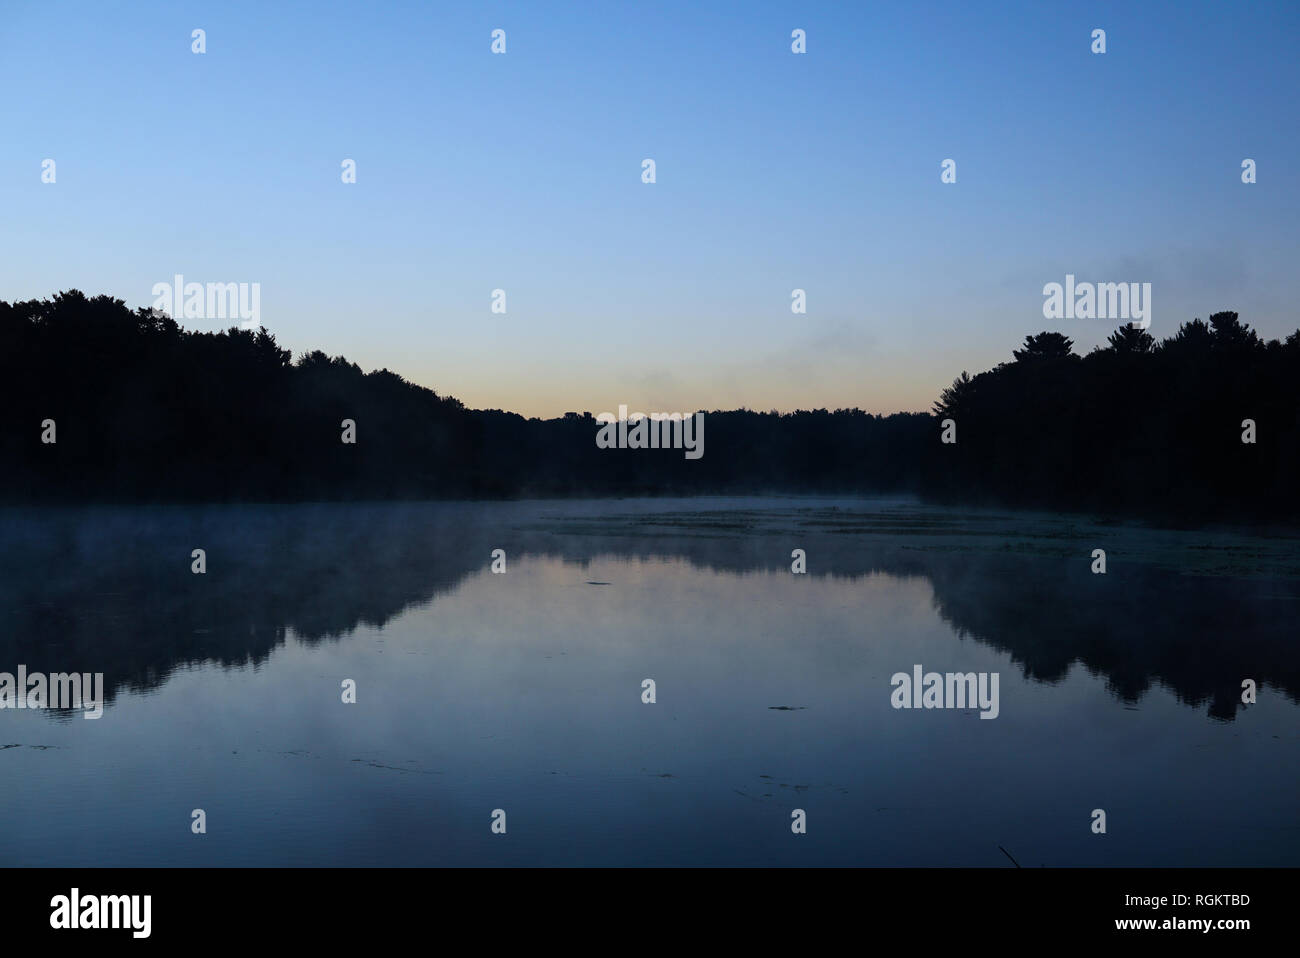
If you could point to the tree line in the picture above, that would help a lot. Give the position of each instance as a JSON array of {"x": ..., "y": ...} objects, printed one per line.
[{"x": 140, "y": 409}]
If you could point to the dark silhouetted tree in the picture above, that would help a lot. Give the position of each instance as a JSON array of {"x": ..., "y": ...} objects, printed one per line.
[
  {"x": 1045, "y": 345},
  {"x": 1131, "y": 339},
  {"x": 955, "y": 396}
]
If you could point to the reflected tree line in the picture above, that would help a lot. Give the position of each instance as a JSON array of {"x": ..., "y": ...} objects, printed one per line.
[{"x": 111, "y": 590}]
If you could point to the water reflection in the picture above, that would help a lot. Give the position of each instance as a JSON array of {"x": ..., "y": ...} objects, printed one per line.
[
  {"x": 112, "y": 591},
  {"x": 523, "y": 691}
]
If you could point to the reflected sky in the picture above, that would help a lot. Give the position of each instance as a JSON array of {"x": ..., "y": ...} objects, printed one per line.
[{"x": 523, "y": 691}]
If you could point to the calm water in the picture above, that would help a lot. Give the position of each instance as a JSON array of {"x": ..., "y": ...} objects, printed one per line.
[{"x": 523, "y": 691}]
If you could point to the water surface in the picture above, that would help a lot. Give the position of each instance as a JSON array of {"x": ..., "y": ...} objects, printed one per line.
[{"x": 522, "y": 691}]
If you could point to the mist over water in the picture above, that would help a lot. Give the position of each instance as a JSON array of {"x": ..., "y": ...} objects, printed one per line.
[{"x": 522, "y": 691}]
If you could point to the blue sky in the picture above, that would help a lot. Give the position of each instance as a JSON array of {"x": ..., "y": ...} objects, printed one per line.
[{"x": 775, "y": 171}]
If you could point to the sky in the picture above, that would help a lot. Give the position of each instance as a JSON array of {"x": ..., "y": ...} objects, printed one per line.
[{"x": 775, "y": 171}]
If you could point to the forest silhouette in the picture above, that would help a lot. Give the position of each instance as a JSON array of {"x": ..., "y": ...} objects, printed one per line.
[{"x": 147, "y": 411}]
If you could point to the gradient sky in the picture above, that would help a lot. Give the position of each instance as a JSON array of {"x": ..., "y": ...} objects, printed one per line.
[{"x": 775, "y": 171}]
